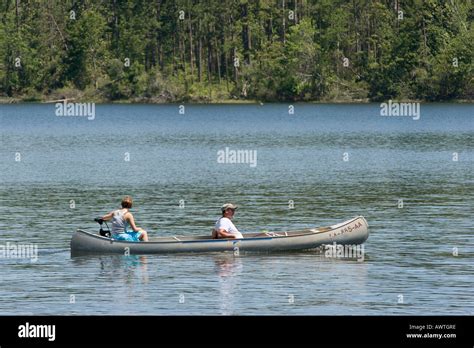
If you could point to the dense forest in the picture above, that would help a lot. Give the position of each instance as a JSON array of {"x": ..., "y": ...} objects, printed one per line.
[{"x": 222, "y": 50}]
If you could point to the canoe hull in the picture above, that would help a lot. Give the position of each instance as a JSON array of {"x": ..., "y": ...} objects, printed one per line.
[{"x": 353, "y": 231}]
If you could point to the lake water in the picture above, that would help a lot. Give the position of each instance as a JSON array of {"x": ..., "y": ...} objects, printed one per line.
[{"x": 328, "y": 162}]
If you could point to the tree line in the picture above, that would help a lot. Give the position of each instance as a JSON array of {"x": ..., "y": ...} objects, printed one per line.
[{"x": 208, "y": 50}]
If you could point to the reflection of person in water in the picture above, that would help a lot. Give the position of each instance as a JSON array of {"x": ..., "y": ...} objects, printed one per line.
[
  {"x": 228, "y": 265},
  {"x": 228, "y": 269},
  {"x": 130, "y": 267}
]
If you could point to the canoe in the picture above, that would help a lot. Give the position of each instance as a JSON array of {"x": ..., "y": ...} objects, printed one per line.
[{"x": 350, "y": 232}]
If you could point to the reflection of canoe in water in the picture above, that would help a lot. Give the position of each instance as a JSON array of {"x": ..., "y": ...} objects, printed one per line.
[{"x": 353, "y": 231}]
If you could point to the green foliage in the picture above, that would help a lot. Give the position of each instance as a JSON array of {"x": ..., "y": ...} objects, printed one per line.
[
  {"x": 273, "y": 50},
  {"x": 86, "y": 51}
]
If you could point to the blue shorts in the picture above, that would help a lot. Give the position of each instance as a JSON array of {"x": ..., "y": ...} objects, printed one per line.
[{"x": 128, "y": 236}]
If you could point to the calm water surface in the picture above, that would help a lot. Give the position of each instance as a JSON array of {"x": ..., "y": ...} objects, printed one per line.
[{"x": 409, "y": 266}]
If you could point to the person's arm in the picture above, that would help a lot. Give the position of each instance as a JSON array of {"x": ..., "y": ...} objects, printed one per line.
[
  {"x": 131, "y": 221},
  {"x": 222, "y": 233},
  {"x": 222, "y": 228},
  {"x": 108, "y": 216}
]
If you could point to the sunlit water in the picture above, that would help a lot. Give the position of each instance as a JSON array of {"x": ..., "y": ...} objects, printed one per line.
[{"x": 418, "y": 259}]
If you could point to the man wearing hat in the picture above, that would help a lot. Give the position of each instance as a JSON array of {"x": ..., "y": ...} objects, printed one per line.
[{"x": 224, "y": 226}]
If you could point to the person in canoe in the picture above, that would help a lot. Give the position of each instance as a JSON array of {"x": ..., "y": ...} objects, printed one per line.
[
  {"x": 224, "y": 227},
  {"x": 123, "y": 223}
]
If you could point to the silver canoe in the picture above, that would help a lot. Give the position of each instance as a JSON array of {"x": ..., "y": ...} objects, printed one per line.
[{"x": 353, "y": 231}]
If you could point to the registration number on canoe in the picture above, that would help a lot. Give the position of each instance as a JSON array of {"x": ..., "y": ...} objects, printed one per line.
[{"x": 347, "y": 229}]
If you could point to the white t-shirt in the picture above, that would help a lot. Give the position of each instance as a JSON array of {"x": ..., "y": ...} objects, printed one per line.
[{"x": 226, "y": 224}]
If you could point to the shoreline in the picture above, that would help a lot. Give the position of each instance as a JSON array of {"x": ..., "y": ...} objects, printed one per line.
[{"x": 23, "y": 100}]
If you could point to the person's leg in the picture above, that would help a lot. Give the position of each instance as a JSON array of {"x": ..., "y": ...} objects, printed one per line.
[
  {"x": 214, "y": 234},
  {"x": 124, "y": 237},
  {"x": 144, "y": 236}
]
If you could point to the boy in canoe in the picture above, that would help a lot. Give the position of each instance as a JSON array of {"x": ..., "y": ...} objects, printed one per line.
[
  {"x": 225, "y": 228},
  {"x": 122, "y": 221}
]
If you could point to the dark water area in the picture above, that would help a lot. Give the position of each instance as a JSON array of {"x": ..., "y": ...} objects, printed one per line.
[{"x": 321, "y": 165}]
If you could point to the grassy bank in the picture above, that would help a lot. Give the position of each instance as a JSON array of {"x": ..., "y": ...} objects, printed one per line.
[{"x": 84, "y": 98}]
